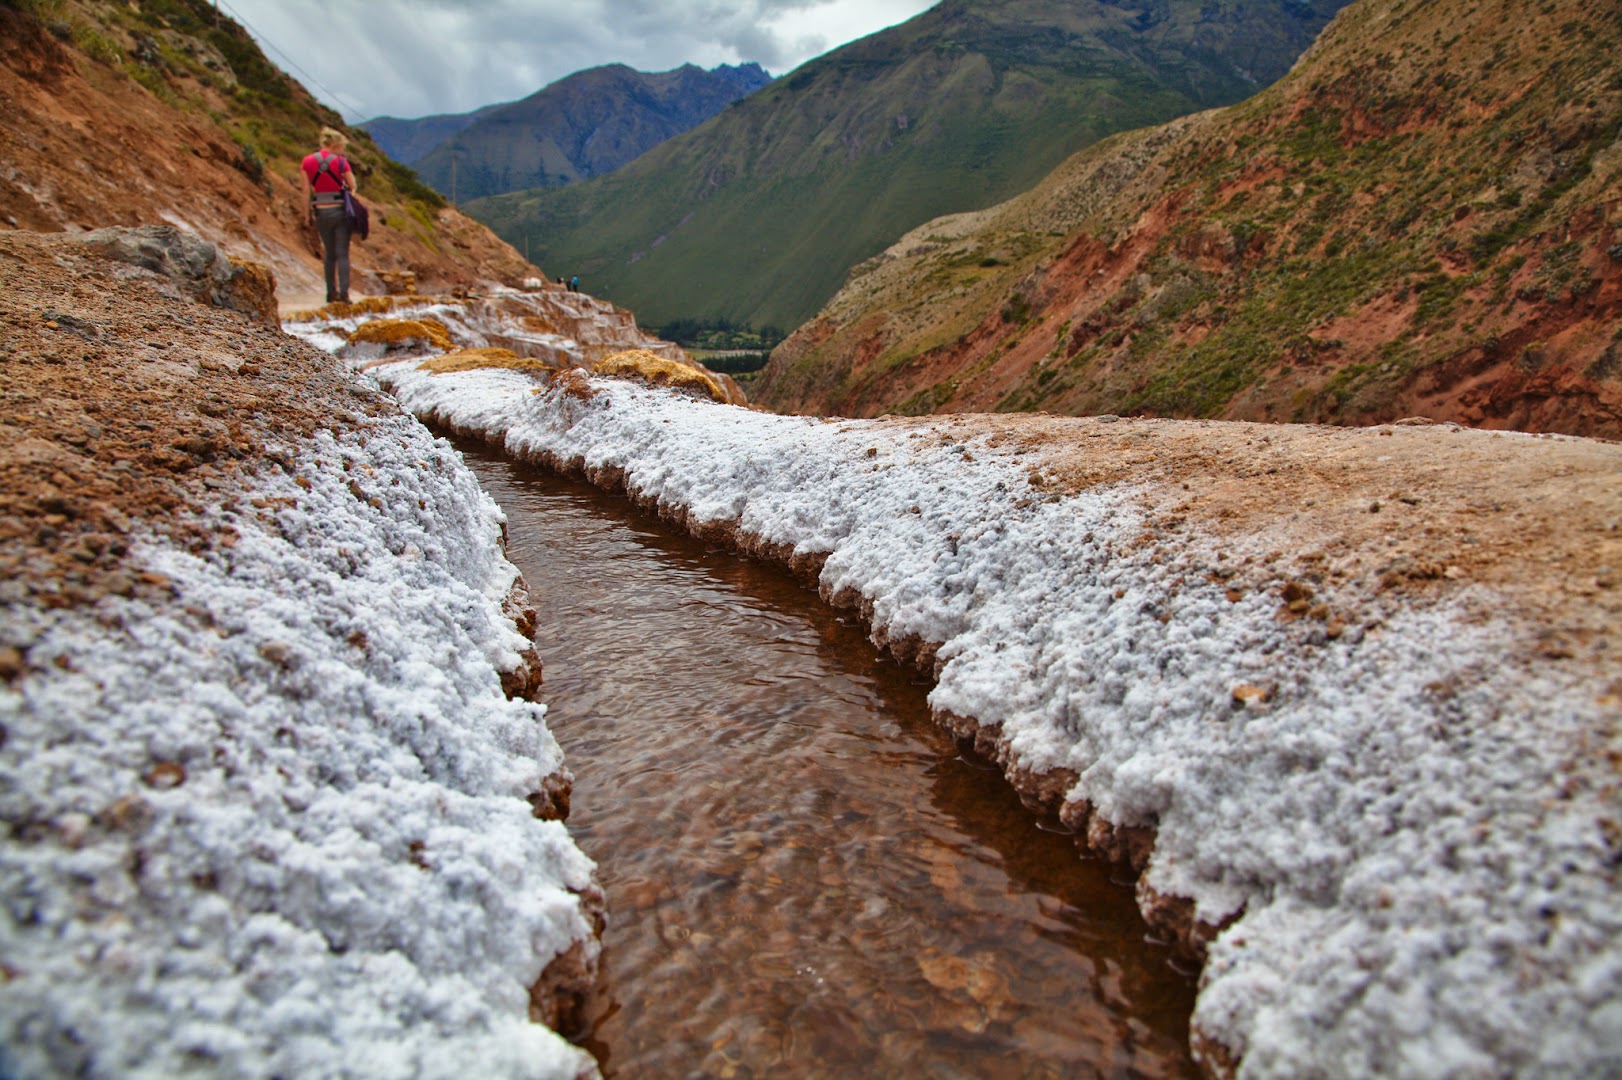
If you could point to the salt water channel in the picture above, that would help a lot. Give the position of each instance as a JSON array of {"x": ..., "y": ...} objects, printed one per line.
[{"x": 806, "y": 877}]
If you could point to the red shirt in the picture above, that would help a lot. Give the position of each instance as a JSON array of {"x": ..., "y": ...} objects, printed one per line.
[{"x": 329, "y": 180}]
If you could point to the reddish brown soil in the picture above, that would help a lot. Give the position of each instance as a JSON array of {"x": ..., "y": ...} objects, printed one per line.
[
  {"x": 84, "y": 146},
  {"x": 123, "y": 405}
]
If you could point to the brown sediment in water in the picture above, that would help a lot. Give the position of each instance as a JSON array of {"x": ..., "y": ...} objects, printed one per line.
[
  {"x": 561, "y": 996},
  {"x": 1128, "y": 848},
  {"x": 808, "y": 875}
]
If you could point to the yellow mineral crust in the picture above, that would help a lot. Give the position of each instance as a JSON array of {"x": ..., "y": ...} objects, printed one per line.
[
  {"x": 393, "y": 332},
  {"x": 644, "y": 366},
  {"x": 469, "y": 359}
]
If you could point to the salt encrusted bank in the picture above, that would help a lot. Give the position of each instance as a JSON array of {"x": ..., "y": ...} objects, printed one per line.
[
  {"x": 270, "y": 818},
  {"x": 275, "y": 802},
  {"x": 1397, "y": 804}
]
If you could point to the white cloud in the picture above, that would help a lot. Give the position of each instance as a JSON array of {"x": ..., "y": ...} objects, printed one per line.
[{"x": 413, "y": 58}]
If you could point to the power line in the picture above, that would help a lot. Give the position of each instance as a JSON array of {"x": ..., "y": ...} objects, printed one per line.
[{"x": 288, "y": 60}]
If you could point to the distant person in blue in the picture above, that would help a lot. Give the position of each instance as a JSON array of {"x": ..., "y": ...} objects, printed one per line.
[
  {"x": 574, "y": 284},
  {"x": 326, "y": 173}
]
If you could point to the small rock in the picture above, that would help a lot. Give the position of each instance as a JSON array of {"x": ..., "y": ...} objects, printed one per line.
[
  {"x": 165, "y": 775},
  {"x": 119, "y": 584},
  {"x": 73, "y": 830},
  {"x": 1297, "y": 592},
  {"x": 1249, "y": 696},
  {"x": 279, "y": 653},
  {"x": 131, "y": 813}
]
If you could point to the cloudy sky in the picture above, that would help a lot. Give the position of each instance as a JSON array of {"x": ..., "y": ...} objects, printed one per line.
[{"x": 411, "y": 58}]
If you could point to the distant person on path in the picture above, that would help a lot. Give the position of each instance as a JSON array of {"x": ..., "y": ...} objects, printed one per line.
[
  {"x": 326, "y": 173},
  {"x": 574, "y": 284}
]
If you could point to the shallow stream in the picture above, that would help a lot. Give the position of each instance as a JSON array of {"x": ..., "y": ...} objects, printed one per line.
[{"x": 805, "y": 876}]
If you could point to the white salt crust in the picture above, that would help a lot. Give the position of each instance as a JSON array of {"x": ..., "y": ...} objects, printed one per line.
[
  {"x": 1424, "y": 882},
  {"x": 348, "y": 880}
]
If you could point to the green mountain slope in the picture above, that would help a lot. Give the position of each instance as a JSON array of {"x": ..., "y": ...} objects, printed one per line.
[
  {"x": 756, "y": 215},
  {"x": 1423, "y": 218},
  {"x": 584, "y": 125}
]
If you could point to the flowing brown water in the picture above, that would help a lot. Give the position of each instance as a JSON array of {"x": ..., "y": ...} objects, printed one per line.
[{"x": 806, "y": 877}]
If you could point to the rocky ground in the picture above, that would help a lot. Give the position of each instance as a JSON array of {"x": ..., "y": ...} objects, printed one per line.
[{"x": 126, "y": 401}]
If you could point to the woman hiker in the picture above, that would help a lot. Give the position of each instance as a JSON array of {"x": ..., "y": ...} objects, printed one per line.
[{"x": 326, "y": 173}]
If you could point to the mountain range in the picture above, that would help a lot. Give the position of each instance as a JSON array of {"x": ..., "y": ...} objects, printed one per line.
[
  {"x": 1423, "y": 218},
  {"x": 407, "y": 141},
  {"x": 756, "y": 215},
  {"x": 584, "y": 125}
]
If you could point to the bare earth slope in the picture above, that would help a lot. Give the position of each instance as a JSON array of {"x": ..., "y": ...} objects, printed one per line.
[{"x": 110, "y": 119}]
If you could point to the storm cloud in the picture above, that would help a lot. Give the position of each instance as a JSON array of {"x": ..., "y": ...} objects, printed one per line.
[{"x": 411, "y": 58}]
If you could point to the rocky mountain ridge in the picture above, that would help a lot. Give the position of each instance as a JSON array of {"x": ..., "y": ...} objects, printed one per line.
[
  {"x": 583, "y": 125},
  {"x": 406, "y": 141},
  {"x": 1422, "y": 218}
]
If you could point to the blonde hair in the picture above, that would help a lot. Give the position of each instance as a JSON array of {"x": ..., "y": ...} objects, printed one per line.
[{"x": 333, "y": 139}]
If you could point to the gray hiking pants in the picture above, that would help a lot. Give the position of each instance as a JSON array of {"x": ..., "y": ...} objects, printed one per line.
[{"x": 333, "y": 225}]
